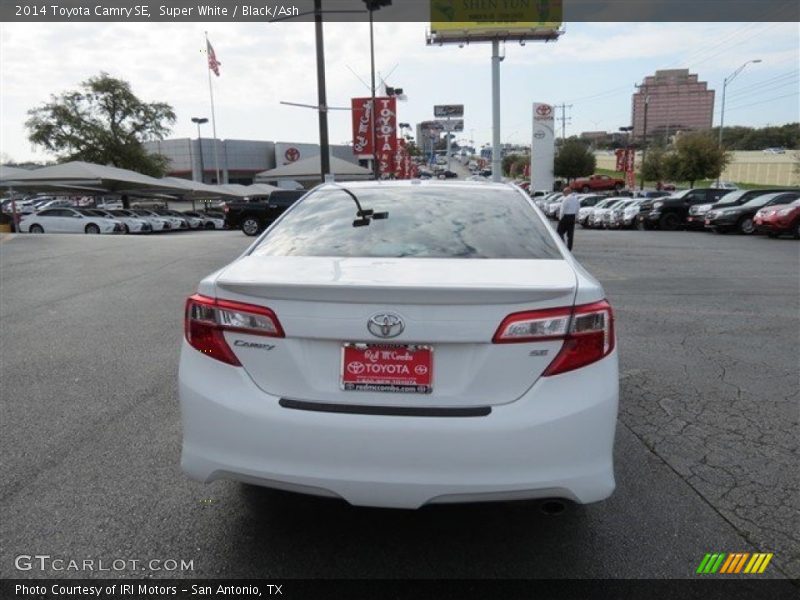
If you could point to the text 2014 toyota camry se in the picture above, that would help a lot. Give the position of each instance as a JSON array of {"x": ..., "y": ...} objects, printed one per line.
[{"x": 398, "y": 344}]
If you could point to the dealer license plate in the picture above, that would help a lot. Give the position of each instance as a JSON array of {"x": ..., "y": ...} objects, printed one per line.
[{"x": 387, "y": 368}]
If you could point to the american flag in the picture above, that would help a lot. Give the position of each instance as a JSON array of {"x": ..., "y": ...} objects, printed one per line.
[{"x": 213, "y": 63}]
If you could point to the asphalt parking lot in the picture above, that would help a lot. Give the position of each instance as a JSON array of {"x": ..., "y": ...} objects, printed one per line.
[{"x": 706, "y": 449}]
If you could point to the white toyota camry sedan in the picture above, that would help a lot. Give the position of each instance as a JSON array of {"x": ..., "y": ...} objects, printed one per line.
[{"x": 403, "y": 343}]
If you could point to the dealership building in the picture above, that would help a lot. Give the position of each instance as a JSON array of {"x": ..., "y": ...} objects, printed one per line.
[{"x": 238, "y": 160}]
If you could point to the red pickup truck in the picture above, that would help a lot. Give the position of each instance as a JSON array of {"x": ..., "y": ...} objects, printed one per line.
[{"x": 597, "y": 183}]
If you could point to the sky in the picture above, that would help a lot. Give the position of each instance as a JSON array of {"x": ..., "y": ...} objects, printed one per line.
[{"x": 594, "y": 67}]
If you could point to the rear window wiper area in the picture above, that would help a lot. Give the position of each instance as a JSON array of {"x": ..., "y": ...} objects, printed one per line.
[{"x": 365, "y": 215}]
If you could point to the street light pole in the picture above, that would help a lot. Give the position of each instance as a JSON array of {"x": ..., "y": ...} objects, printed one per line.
[
  {"x": 497, "y": 161},
  {"x": 199, "y": 121},
  {"x": 644, "y": 138},
  {"x": 372, "y": 6},
  {"x": 725, "y": 83},
  {"x": 322, "y": 102}
]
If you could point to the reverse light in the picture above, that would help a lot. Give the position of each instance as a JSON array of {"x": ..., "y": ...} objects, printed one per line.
[
  {"x": 587, "y": 331},
  {"x": 206, "y": 320}
]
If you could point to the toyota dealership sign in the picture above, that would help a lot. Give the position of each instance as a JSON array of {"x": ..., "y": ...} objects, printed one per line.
[{"x": 542, "y": 147}]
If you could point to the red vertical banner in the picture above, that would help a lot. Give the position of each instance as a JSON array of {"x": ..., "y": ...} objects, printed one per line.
[
  {"x": 362, "y": 127},
  {"x": 401, "y": 166},
  {"x": 621, "y": 159},
  {"x": 386, "y": 133}
]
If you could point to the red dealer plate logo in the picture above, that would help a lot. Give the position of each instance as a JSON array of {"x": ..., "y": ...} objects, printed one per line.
[{"x": 387, "y": 368}]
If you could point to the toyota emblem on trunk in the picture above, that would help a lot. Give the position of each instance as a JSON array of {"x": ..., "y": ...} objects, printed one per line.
[{"x": 385, "y": 325}]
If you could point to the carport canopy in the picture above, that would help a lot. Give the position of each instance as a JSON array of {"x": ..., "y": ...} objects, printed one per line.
[{"x": 310, "y": 168}]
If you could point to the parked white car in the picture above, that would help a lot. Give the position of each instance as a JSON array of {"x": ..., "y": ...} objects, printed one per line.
[
  {"x": 170, "y": 223},
  {"x": 129, "y": 224},
  {"x": 597, "y": 213},
  {"x": 68, "y": 220},
  {"x": 207, "y": 221},
  {"x": 436, "y": 343},
  {"x": 177, "y": 220},
  {"x": 613, "y": 217},
  {"x": 186, "y": 222},
  {"x": 156, "y": 222},
  {"x": 45, "y": 204},
  {"x": 624, "y": 217}
]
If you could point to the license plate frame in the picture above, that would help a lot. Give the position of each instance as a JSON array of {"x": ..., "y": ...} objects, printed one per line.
[{"x": 417, "y": 378}]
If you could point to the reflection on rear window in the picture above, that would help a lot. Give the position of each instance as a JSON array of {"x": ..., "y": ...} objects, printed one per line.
[{"x": 423, "y": 221}]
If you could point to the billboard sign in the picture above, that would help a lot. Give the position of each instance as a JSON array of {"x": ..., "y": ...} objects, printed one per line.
[
  {"x": 542, "y": 147},
  {"x": 431, "y": 126},
  {"x": 448, "y": 110},
  {"x": 482, "y": 20}
]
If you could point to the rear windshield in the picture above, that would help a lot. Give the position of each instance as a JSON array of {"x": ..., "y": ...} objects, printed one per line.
[{"x": 424, "y": 222}]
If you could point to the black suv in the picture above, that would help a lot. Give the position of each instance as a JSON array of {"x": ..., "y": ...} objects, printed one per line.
[
  {"x": 257, "y": 214},
  {"x": 669, "y": 213}
]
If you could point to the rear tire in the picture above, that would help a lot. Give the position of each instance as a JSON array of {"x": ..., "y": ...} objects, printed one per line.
[
  {"x": 91, "y": 228},
  {"x": 797, "y": 230},
  {"x": 746, "y": 226},
  {"x": 251, "y": 226},
  {"x": 125, "y": 228},
  {"x": 36, "y": 229},
  {"x": 585, "y": 189},
  {"x": 670, "y": 222},
  {"x": 209, "y": 225}
]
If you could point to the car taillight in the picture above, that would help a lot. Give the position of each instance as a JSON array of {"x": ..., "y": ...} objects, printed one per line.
[
  {"x": 207, "y": 319},
  {"x": 587, "y": 331}
]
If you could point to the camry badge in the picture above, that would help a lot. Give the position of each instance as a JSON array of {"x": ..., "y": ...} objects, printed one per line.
[{"x": 385, "y": 325}]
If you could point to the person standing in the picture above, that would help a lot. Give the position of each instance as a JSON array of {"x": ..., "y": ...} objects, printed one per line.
[{"x": 567, "y": 215}]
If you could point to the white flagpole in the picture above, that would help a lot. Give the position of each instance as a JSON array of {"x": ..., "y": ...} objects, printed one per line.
[{"x": 213, "y": 116}]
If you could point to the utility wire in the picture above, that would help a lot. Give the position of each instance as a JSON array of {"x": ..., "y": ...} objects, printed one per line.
[
  {"x": 765, "y": 90},
  {"x": 764, "y": 82},
  {"x": 762, "y": 101}
]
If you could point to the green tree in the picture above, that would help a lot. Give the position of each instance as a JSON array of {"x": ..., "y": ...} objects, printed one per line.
[
  {"x": 103, "y": 122},
  {"x": 697, "y": 156},
  {"x": 653, "y": 167},
  {"x": 574, "y": 159}
]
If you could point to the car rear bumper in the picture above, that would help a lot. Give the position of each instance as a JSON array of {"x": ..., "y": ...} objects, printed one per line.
[
  {"x": 555, "y": 441},
  {"x": 696, "y": 222}
]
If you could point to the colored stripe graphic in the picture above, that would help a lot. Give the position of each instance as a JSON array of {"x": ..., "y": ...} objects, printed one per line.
[
  {"x": 726, "y": 568},
  {"x": 703, "y": 563},
  {"x": 723, "y": 563},
  {"x": 766, "y": 562},
  {"x": 753, "y": 564},
  {"x": 741, "y": 562},
  {"x": 714, "y": 563}
]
